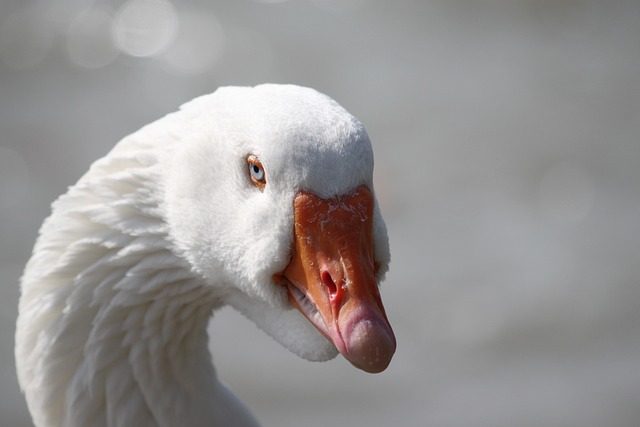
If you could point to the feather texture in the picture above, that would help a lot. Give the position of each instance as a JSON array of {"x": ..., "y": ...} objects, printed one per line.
[{"x": 160, "y": 232}]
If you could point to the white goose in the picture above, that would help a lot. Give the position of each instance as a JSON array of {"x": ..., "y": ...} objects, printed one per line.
[{"x": 259, "y": 198}]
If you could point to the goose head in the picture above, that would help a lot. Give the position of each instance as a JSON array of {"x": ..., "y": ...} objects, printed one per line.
[{"x": 269, "y": 197}]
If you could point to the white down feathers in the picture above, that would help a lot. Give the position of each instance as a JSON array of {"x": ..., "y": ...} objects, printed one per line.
[{"x": 161, "y": 231}]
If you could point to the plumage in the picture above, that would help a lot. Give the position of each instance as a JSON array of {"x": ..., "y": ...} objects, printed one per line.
[{"x": 165, "y": 229}]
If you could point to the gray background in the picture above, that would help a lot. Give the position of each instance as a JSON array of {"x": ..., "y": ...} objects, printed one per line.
[{"x": 507, "y": 164}]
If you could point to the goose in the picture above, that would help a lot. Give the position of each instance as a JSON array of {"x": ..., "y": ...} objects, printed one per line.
[{"x": 260, "y": 198}]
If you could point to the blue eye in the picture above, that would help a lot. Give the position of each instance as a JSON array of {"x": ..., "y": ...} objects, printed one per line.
[{"x": 256, "y": 172}]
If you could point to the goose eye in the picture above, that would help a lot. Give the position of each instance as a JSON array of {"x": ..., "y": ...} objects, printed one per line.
[{"x": 256, "y": 172}]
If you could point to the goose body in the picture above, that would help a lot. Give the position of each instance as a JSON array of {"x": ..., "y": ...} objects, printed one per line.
[{"x": 259, "y": 198}]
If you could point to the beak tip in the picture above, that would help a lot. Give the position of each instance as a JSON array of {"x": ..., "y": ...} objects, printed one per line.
[{"x": 370, "y": 345}]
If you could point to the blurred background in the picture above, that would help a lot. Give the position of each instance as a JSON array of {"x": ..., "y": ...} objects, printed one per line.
[{"x": 507, "y": 141}]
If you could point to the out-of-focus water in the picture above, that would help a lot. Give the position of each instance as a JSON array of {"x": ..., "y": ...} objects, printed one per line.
[{"x": 507, "y": 140}]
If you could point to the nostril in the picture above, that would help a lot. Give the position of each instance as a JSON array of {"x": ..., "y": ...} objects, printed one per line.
[{"x": 329, "y": 283}]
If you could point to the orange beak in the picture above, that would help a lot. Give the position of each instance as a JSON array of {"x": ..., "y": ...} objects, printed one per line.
[{"x": 331, "y": 276}]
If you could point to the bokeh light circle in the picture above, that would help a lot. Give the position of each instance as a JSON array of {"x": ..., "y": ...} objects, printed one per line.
[
  {"x": 89, "y": 43},
  {"x": 144, "y": 27},
  {"x": 26, "y": 38},
  {"x": 198, "y": 44}
]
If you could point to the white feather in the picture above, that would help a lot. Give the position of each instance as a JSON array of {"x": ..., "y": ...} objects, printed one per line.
[{"x": 136, "y": 256}]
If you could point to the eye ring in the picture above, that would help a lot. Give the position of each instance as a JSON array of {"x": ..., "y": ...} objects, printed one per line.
[{"x": 256, "y": 171}]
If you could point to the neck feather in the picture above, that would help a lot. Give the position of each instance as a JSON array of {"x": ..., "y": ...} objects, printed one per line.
[{"x": 112, "y": 324}]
